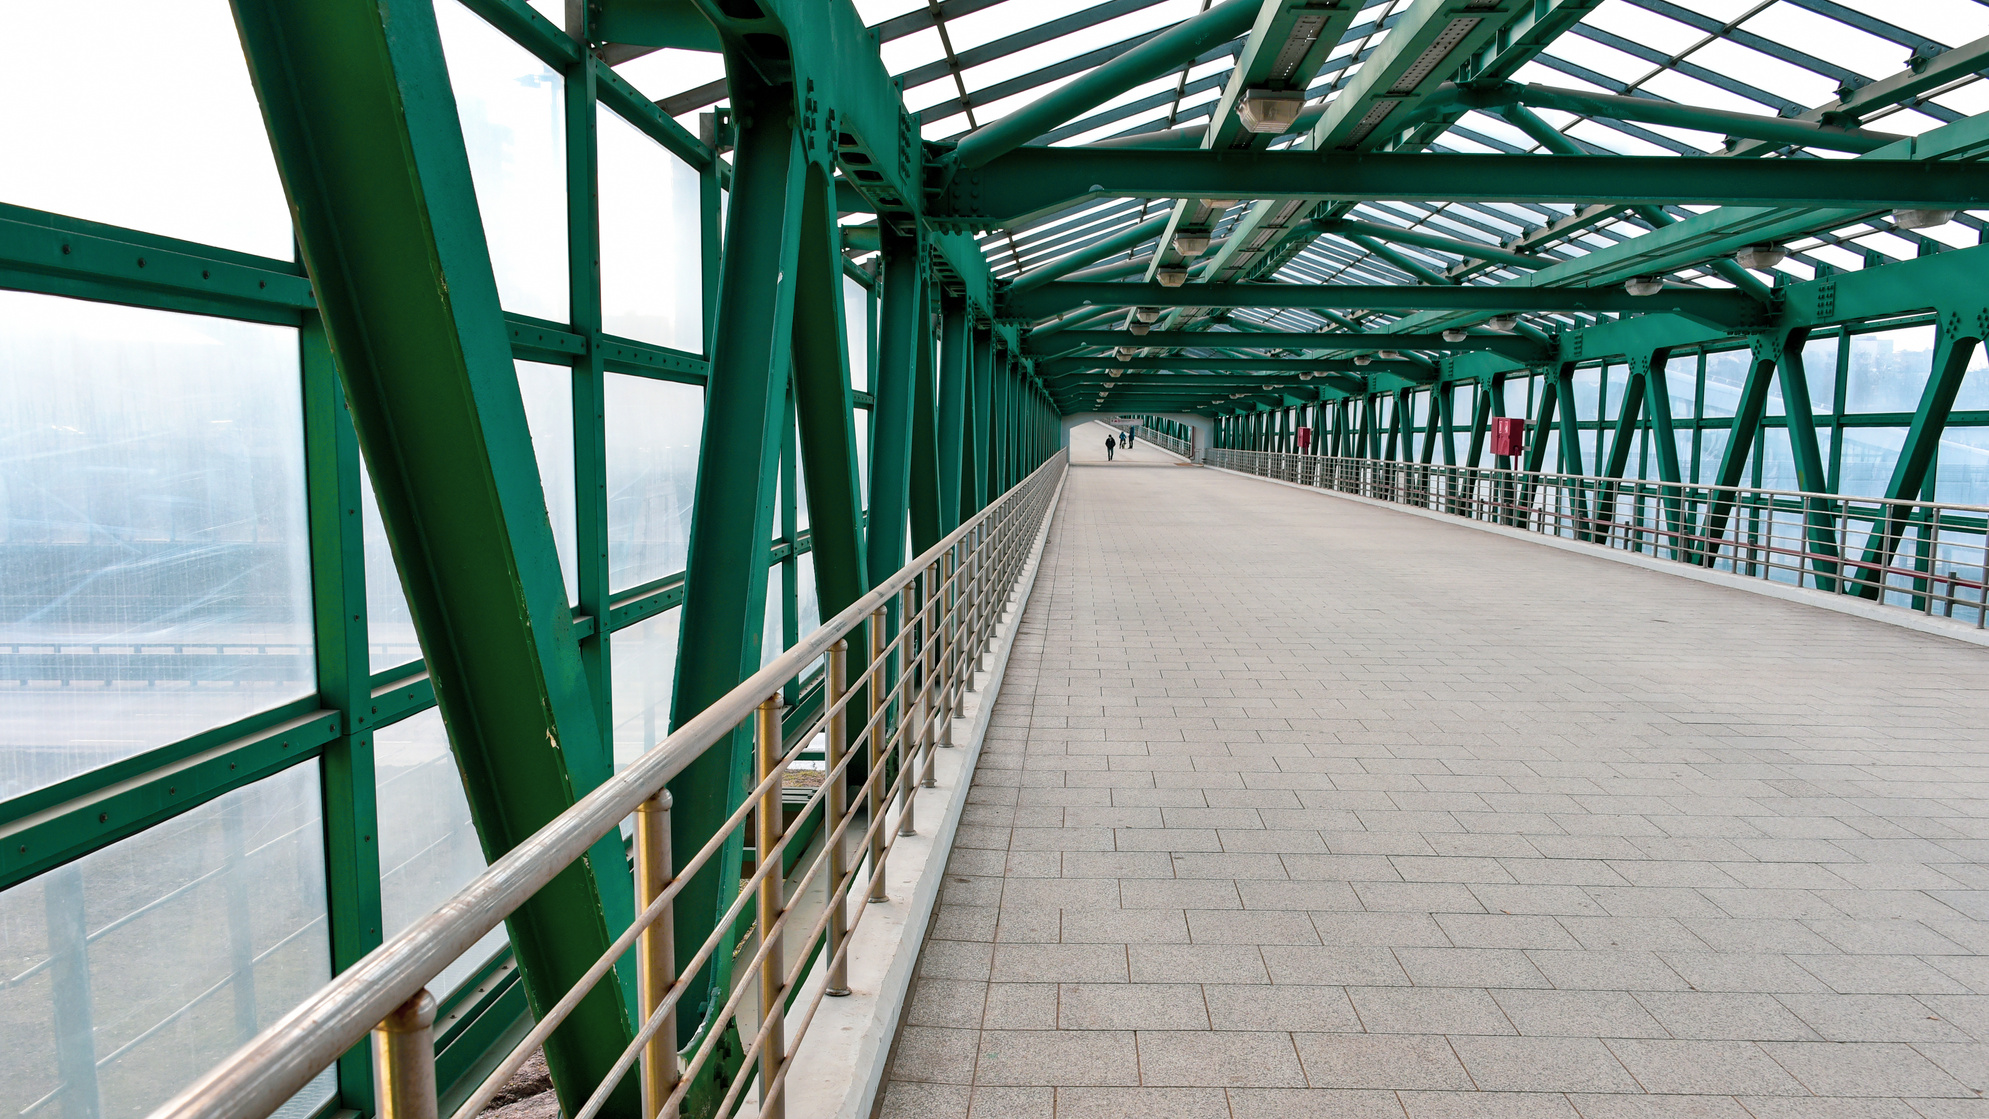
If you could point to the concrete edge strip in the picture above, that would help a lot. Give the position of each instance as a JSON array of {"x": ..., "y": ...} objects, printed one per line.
[
  {"x": 840, "y": 1070},
  {"x": 1842, "y": 604}
]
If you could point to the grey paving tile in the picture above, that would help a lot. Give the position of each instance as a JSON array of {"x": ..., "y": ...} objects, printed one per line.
[
  {"x": 1392, "y": 1062},
  {"x": 1577, "y": 1014},
  {"x": 1057, "y": 1058},
  {"x": 928, "y": 1055},
  {"x": 1722, "y": 1016},
  {"x": 1012, "y": 1103},
  {"x": 1864, "y": 1069},
  {"x": 1227, "y": 1060},
  {"x": 1327, "y": 966},
  {"x": 1312, "y": 1103},
  {"x": 1198, "y": 963},
  {"x": 1546, "y": 1064},
  {"x": 1704, "y": 1067},
  {"x": 1280, "y": 1006},
  {"x": 1131, "y": 1006},
  {"x": 1428, "y": 1010},
  {"x": 1142, "y": 1103},
  {"x": 1059, "y": 963}
]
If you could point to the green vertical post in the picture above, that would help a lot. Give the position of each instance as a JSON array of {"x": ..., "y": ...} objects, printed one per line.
[
  {"x": 901, "y": 331},
  {"x": 956, "y": 366}
]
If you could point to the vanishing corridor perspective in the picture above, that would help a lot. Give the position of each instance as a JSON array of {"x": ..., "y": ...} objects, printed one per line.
[{"x": 1293, "y": 806}]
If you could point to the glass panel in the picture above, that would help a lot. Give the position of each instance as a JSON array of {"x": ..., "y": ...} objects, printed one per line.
[
  {"x": 1888, "y": 369},
  {"x": 773, "y": 641},
  {"x": 652, "y": 255},
  {"x": 1514, "y": 396},
  {"x": 1820, "y": 373},
  {"x": 1869, "y": 454},
  {"x": 161, "y": 133},
  {"x": 645, "y": 672},
  {"x": 1612, "y": 391},
  {"x": 548, "y": 393},
  {"x": 652, "y": 450},
  {"x": 137, "y": 967},
  {"x": 809, "y": 606},
  {"x": 1712, "y": 445},
  {"x": 1726, "y": 375},
  {"x": 856, "y": 324},
  {"x": 428, "y": 846},
  {"x": 1974, "y": 394},
  {"x": 390, "y": 640},
  {"x": 1588, "y": 392},
  {"x": 1778, "y": 464},
  {"x": 1681, "y": 376},
  {"x": 154, "y": 565},
  {"x": 510, "y": 107},
  {"x": 863, "y": 455}
]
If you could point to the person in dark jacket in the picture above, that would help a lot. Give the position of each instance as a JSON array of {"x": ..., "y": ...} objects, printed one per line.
[{"x": 1111, "y": 441}]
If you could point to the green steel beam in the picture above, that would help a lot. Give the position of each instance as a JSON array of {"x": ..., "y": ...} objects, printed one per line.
[
  {"x": 901, "y": 336},
  {"x": 1729, "y": 308},
  {"x": 956, "y": 374},
  {"x": 1029, "y": 182},
  {"x": 1056, "y": 368},
  {"x": 1671, "y": 114},
  {"x": 1090, "y": 254},
  {"x": 1509, "y": 345},
  {"x": 732, "y": 511},
  {"x": 1169, "y": 50},
  {"x": 824, "y": 410},
  {"x": 1492, "y": 254},
  {"x": 1924, "y": 75},
  {"x": 363, "y": 125}
]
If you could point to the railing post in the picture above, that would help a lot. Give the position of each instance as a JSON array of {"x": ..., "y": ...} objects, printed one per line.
[
  {"x": 908, "y": 739},
  {"x": 773, "y": 991},
  {"x": 656, "y": 958},
  {"x": 404, "y": 1060},
  {"x": 835, "y": 808},
  {"x": 929, "y": 694},
  {"x": 875, "y": 793}
]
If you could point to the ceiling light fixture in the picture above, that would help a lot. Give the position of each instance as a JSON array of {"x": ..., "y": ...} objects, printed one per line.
[
  {"x": 1455, "y": 334},
  {"x": 1191, "y": 243},
  {"x": 1147, "y": 314},
  {"x": 1644, "y": 285},
  {"x": 1171, "y": 275},
  {"x": 1504, "y": 324},
  {"x": 1269, "y": 111},
  {"x": 1761, "y": 257},
  {"x": 1921, "y": 219}
]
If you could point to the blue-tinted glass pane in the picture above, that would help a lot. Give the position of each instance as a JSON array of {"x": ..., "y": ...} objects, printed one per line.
[
  {"x": 1726, "y": 375},
  {"x": 645, "y": 672},
  {"x": 1869, "y": 455},
  {"x": 134, "y": 969},
  {"x": 154, "y": 565},
  {"x": 652, "y": 245},
  {"x": 159, "y": 132},
  {"x": 1588, "y": 393},
  {"x": 856, "y": 323},
  {"x": 428, "y": 846},
  {"x": 1961, "y": 471},
  {"x": 1888, "y": 369},
  {"x": 510, "y": 102},
  {"x": 652, "y": 449},
  {"x": 1820, "y": 372}
]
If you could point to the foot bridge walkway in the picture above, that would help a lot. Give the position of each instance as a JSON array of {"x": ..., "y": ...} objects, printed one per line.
[{"x": 1293, "y": 806}]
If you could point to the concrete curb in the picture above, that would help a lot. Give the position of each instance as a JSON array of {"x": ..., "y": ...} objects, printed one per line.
[
  {"x": 1842, "y": 604},
  {"x": 840, "y": 1070}
]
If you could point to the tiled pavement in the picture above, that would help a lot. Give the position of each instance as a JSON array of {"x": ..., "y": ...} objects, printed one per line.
[{"x": 1296, "y": 807}]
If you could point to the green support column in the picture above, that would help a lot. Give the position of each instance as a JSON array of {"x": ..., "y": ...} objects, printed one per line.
[
  {"x": 900, "y": 332},
  {"x": 823, "y": 408},
  {"x": 1650, "y": 369},
  {"x": 732, "y": 513},
  {"x": 975, "y": 495},
  {"x": 338, "y": 594},
  {"x": 1481, "y": 422},
  {"x": 363, "y": 126},
  {"x": 1958, "y": 338},
  {"x": 924, "y": 490},
  {"x": 1819, "y": 515},
  {"x": 956, "y": 381}
]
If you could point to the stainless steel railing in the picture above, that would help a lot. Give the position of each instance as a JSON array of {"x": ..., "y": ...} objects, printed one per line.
[
  {"x": 1927, "y": 556},
  {"x": 926, "y": 631},
  {"x": 1183, "y": 447}
]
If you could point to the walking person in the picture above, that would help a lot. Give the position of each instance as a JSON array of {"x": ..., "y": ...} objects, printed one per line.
[
  {"x": 1111, "y": 441},
  {"x": 1129, "y": 437}
]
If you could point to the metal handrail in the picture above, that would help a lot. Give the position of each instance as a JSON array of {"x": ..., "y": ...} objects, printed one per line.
[
  {"x": 1183, "y": 447},
  {"x": 948, "y": 603},
  {"x": 1921, "y": 555}
]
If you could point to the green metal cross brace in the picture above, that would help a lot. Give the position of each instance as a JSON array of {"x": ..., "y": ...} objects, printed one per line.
[
  {"x": 732, "y": 512},
  {"x": 1650, "y": 369},
  {"x": 1960, "y": 333},
  {"x": 956, "y": 377},
  {"x": 363, "y": 124}
]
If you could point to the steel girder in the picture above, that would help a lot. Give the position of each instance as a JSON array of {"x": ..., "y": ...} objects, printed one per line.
[
  {"x": 1033, "y": 181},
  {"x": 1514, "y": 346},
  {"x": 1724, "y": 307},
  {"x": 363, "y": 125}
]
